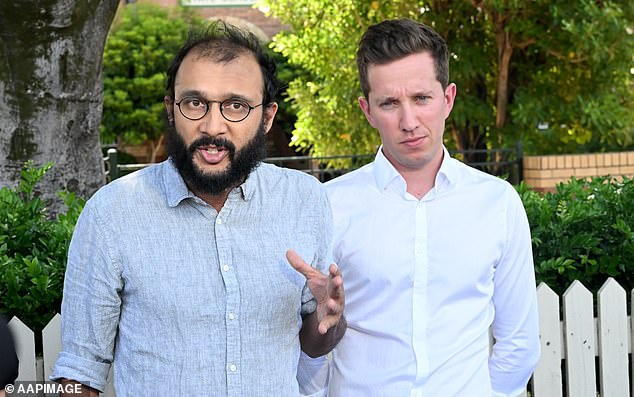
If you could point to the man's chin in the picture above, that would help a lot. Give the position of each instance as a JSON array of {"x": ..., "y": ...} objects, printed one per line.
[{"x": 207, "y": 169}]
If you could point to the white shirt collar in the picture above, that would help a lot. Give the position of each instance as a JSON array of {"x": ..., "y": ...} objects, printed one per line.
[{"x": 387, "y": 177}]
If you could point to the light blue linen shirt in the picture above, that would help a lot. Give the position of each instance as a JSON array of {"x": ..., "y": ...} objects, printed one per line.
[{"x": 186, "y": 301}]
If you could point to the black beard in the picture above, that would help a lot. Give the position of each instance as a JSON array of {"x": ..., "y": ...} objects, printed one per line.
[{"x": 241, "y": 163}]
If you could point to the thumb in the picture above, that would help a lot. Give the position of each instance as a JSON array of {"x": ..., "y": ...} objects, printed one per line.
[{"x": 299, "y": 264}]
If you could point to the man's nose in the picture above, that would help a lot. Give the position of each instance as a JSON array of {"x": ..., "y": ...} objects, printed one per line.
[
  {"x": 214, "y": 122},
  {"x": 408, "y": 120}
]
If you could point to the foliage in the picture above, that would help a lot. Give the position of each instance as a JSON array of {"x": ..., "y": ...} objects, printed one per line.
[
  {"x": 140, "y": 46},
  {"x": 577, "y": 78},
  {"x": 286, "y": 115},
  {"x": 569, "y": 69},
  {"x": 584, "y": 230},
  {"x": 141, "y": 43},
  {"x": 33, "y": 249}
]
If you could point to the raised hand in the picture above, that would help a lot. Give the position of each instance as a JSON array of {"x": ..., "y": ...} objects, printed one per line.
[{"x": 327, "y": 290}]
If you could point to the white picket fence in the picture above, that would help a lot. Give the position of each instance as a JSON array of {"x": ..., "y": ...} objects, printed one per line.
[{"x": 574, "y": 341}]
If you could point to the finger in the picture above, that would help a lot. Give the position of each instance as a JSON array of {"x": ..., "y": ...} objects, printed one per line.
[
  {"x": 333, "y": 271},
  {"x": 334, "y": 307},
  {"x": 327, "y": 323},
  {"x": 335, "y": 286},
  {"x": 300, "y": 265}
]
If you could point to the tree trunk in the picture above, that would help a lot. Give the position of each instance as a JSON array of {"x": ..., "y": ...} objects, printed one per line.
[
  {"x": 51, "y": 91},
  {"x": 505, "y": 50}
]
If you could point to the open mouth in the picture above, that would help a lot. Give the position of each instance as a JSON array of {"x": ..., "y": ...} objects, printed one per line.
[{"x": 213, "y": 154}]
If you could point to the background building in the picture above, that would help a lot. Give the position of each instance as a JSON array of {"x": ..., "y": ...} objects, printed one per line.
[{"x": 237, "y": 12}]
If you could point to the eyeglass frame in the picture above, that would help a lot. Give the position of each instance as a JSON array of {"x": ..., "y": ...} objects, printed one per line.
[{"x": 220, "y": 103}]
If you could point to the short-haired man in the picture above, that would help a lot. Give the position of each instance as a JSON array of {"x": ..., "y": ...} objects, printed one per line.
[{"x": 435, "y": 254}]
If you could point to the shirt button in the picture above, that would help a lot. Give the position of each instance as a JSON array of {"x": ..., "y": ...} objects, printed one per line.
[
  {"x": 233, "y": 368},
  {"x": 225, "y": 268},
  {"x": 231, "y": 316},
  {"x": 219, "y": 221}
]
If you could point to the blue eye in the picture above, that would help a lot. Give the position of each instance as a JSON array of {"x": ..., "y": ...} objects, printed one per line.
[
  {"x": 422, "y": 98},
  {"x": 388, "y": 104}
]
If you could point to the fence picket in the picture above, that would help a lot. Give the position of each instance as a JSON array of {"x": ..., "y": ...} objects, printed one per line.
[
  {"x": 579, "y": 344},
  {"x": 547, "y": 379},
  {"x": 612, "y": 324},
  {"x": 51, "y": 344},
  {"x": 24, "y": 340}
]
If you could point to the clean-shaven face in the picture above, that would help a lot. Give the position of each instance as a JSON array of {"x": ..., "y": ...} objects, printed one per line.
[{"x": 408, "y": 106}]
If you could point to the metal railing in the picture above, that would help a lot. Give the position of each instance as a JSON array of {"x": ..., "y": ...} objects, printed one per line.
[{"x": 503, "y": 162}]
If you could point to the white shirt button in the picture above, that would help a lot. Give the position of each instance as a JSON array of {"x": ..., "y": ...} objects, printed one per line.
[
  {"x": 219, "y": 221},
  {"x": 233, "y": 368},
  {"x": 232, "y": 316},
  {"x": 225, "y": 268}
]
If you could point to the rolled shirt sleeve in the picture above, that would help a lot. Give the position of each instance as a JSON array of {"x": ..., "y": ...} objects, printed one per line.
[{"x": 90, "y": 305}]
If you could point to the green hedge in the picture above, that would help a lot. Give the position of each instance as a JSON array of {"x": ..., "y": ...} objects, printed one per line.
[
  {"x": 33, "y": 250},
  {"x": 583, "y": 231}
]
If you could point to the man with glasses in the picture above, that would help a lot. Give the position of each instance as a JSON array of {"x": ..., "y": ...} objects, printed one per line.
[{"x": 179, "y": 274}]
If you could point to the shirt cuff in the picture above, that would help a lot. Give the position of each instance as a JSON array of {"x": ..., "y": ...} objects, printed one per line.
[
  {"x": 312, "y": 375},
  {"x": 90, "y": 373}
]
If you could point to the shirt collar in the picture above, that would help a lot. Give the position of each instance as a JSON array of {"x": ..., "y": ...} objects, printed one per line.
[
  {"x": 384, "y": 172},
  {"x": 387, "y": 176},
  {"x": 449, "y": 172},
  {"x": 176, "y": 190},
  {"x": 250, "y": 184},
  {"x": 173, "y": 185}
]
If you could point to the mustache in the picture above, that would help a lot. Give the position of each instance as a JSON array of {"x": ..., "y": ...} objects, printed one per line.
[{"x": 208, "y": 141}]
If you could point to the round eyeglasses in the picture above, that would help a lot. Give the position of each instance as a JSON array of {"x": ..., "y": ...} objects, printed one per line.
[{"x": 234, "y": 110}]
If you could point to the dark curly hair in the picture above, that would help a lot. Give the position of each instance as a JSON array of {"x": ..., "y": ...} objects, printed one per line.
[{"x": 223, "y": 43}]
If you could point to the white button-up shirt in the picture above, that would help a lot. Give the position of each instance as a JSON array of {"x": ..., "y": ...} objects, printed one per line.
[{"x": 427, "y": 279}]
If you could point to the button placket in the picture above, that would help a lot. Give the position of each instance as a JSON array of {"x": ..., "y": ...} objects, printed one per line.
[{"x": 232, "y": 296}]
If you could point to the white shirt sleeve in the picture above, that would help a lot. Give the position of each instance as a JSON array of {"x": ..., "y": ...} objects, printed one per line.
[
  {"x": 515, "y": 326},
  {"x": 312, "y": 375}
]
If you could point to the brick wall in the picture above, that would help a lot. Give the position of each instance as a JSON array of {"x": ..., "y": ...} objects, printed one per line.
[
  {"x": 544, "y": 172},
  {"x": 268, "y": 26}
]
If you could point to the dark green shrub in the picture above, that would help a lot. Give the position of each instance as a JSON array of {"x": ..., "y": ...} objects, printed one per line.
[
  {"x": 33, "y": 250},
  {"x": 583, "y": 231}
]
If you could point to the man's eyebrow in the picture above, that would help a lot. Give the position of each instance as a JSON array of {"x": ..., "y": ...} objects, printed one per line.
[
  {"x": 423, "y": 93},
  {"x": 387, "y": 98},
  {"x": 201, "y": 95},
  {"x": 195, "y": 93}
]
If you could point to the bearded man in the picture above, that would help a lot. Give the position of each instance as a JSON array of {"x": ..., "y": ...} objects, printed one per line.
[{"x": 178, "y": 274}]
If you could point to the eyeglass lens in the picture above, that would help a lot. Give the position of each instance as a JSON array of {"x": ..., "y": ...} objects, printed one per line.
[{"x": 195, "y": 108}]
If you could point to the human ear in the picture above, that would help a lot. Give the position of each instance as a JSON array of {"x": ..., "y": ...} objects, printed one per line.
[
  {"x": 365, "y": 107},
  {"x": 269, "y": 114},
  {"x": 169, "y": 107}
]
